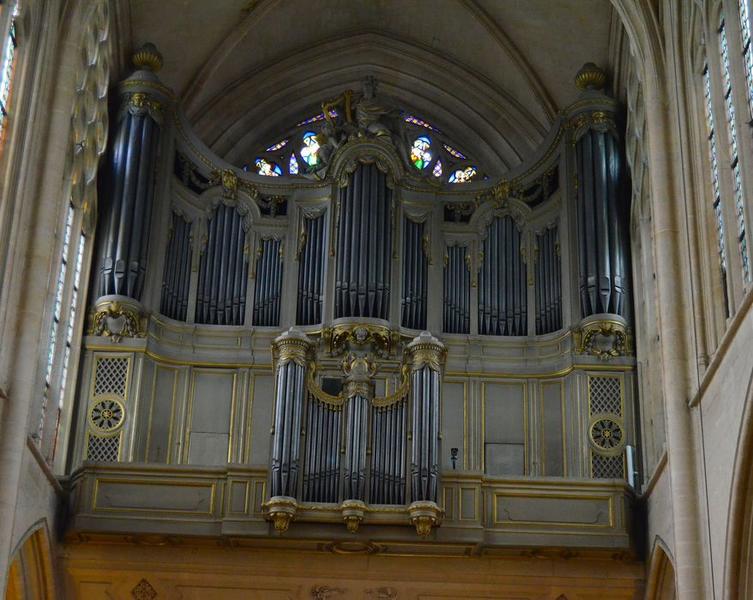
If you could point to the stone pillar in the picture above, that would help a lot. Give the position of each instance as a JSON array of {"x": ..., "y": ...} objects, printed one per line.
[
  {"x": 427, "y": 356},
  {"x": 123, "y": 241}
]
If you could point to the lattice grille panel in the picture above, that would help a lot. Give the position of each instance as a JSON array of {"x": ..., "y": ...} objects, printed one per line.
[
  {"x": 607, "y": 467},
  {"x": 111, "y": 375},
  {"x": 605, "y": 395},
  {"x": 103, "y": 449}
]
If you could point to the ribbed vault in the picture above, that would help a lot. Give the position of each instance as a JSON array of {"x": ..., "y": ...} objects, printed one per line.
[{"x": 491, "y": 74}]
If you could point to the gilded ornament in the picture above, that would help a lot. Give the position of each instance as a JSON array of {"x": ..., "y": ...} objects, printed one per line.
[
  {"x": 424, "y": 516},
  {"x": 281, "y": 510},
  {"x": 116, "y": 320},
  {"x": 603, "y": 338},
  {"x": 293, "y": 345},
  {"x": 607, "y": 435},
  {"x": 353, "y": 512},
  {"x": 426, "y": 350},
  {"x": 147, "y": 57},
  {"x": 590, "y": 77}
]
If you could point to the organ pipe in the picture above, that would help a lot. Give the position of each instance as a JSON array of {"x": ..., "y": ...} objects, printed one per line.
[
  {"x": 126, "y": 218},
  {"x": 457, "y": 290},
  {"x": 503, "y": 289},
  {"x": 310, "y": 271},
  {"x": 291, "y": 351},
  {"x": 362, "y": 279},
  {"x": 268, "y": 286},
  {"x": 177, "y": 271},
  {"x": 427, "y": 356},
  {"x": 602, "y": 240},
  {"x": 415, "y": 275},
  {"x": 321, "y": 477},
  {"x": 548, "y": 282},
  {"x": 222, "y": 281}
]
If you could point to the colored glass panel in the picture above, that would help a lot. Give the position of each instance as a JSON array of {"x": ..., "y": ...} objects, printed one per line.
[
  {"x": 437, "y": 172},
  {"x": 7, "y": 62},
  {"x": 310, "y": 149},
  {"x": 420, "y": 122},
  {"x": 293, "y": 165},
  {"x": 420, "y": 154},
  {"x": 278, "y": 145},
  {"x": 744, "y": 11},
  {"x": 714, "y": 161},
  {"x": 463, "y": 175},
  {"x": 266, "y": 168},
  {"x": 320, "y": 117},
  {"x": 453, "y": 152}
]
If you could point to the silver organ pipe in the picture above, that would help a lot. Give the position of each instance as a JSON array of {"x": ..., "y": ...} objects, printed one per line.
[
  {"x": 363, "y": 262},
  {"x": 321, "y": 478},
  {"x": 548, "y": 282},
  {"x": 601, "y": 237},
  {"x": 502, "y": 281},
  {"x": 177, "y": 271},
  {"x": 388, "y": 453},
  {"x": 415, "y": 273},
  {"x": 310, "y": 271},
  {"x": 291, "y": 350},
  {"x": 357, "y": 415},
  {"x": 221, "y": 294},
  {"x": 457, "y": 291},
  {"x": 268, "y": 285}
]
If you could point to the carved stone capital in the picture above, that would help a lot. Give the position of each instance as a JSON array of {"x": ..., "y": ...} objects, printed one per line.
[{"x": 117, "y": 317}]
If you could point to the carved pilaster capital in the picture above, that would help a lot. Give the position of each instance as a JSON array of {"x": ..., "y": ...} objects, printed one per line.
[
  {"x": 293, "y": 345},
  {"x": 426, "y": 350}
]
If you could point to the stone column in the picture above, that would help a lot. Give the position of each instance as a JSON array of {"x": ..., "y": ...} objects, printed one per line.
[
  {"x": 291, "y": 352},
  {"x": 427, "y": 356},
  {"x": 123, "y": 240}
]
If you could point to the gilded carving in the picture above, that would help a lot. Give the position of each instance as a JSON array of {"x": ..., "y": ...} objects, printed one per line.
[
  {"x": 604, "y": 339},
  {"x": 426, "y": 350},
  {"x": 293, "y": 345},
  {"x": 281, "y": 510},
  {"x": 424, "y": 516},
  {"x": 116, "y": 320},
  {"x": 353, "y": 512}
]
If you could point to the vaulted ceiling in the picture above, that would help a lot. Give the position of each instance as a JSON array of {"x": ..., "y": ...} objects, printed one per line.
[{"x": 491, "y": 73}]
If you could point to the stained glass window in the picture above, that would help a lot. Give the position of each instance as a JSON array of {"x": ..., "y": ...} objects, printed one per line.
[
  {"x": 734, "y": 159},
  {"x": 714, "y": 160},
  {"x": 437, "y": 172},
  {"x": 420, "y": 154},
  {"x": 293, "y": 165},
  {"x": 7, "y": 63},
  {"x": 463, "y": 175},
  {"x": 278, "y": 145},
  {"x": 310, "y": 149},
  {"x": 72, "y": 315},
  {"x": 453, "y": 152},
  {"x": 320, "y": 117},
  {"x": 270, "y": 169},
  {"x": 744, "y": 6},
  {"x": 420, "y": 122}
]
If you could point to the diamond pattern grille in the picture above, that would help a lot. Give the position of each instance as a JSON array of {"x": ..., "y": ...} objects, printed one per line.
[
  {"x": 110, "y": 376},
  {"x": 103, "y": 449},
  {"x": 604, "y": 395},
  {"x": 607, "y": 467}
]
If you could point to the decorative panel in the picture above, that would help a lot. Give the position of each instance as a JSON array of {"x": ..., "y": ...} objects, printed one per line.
[
  {"x": 505, "y": 428},
  {"x": 211, "y": 405},
  {"x": 552, "y": 429},
  {"x": 111, "y": 375}
]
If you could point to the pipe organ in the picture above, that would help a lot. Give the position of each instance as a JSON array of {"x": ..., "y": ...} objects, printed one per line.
[{"x": 375, "y": 347}]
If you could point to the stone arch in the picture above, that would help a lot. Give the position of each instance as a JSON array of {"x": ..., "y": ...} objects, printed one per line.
[
  {"x": 738, "y": 576},
  {"x": 30, "y": 575},
  {"x": 660, "y": 581}
]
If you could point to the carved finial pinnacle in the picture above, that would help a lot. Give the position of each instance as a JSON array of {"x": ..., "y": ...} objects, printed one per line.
[
  {"x": 590, "y": 77},
  {"x": 148, "y": 58}
]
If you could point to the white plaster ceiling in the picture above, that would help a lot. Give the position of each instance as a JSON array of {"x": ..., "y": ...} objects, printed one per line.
[{"x": 491, "y": 73}]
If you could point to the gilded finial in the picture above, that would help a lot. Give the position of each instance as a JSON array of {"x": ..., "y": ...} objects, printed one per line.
[
  {"x": 590, "y": 77},
  {"x": 147, "y": 57}
]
